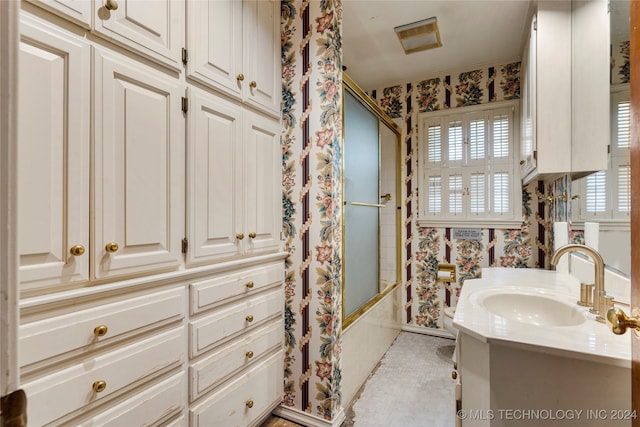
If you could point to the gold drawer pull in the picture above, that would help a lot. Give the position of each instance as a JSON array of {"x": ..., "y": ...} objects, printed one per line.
[
  {"x": 240, "y": 77},
  {"x": 249, "y": 354},
  {"x": 77, "y": 250},
  {"x": 253, "y": 84},
  {"x": 253, "y": 234},
  {"x": 249, "y": 285},
  {"x": 249, "y": 318},
  {"x": 249, "y": 404},
  {"x": 111, "y": 247},
  {"x": 100, "y": 331},
  {"x": 99, "y": 386},
  {"x": 239, "y": 236}
]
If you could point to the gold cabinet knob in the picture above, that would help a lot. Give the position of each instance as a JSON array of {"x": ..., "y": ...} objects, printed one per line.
[
  {"x": 454, "y": 375},
  {"x": 253, "y": 234},
  {"x": 100, "y": 331},
  {"x": 253, "y": 84},
  {"x": 239, "y": 236},
  {"x": 99, "y": 386},
  {"x": 249, "y": 354},
  {"x": 111, "y": 247},
  {"x": 249, "y": 404},
  {"x": 240, "y": 77},
  {"x": 249, "y": 285},
  {"x": 249, "y": 318},
  {"x": 111, "y": 4},
  {"x": 77, "y": 250},
  {"x": 618, "y": 320}
]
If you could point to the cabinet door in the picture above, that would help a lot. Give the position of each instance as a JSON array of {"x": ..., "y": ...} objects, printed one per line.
[
  {"x": 53, "y": 169},
  {"x": 215, "y": 202},
  {"x": 154, "y": 28},
  {"x": 528, "y": 126},
  {"x": 78, "y": 11},
  {"x": 262, "y": 179},
  {"x": 139, "y": 168},
  {"x": 214, "y": 42},
  {"x": 262, "y": 55}
]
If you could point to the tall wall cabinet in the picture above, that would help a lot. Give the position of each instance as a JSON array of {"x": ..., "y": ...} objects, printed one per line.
[
  {"x": 151, "y": 267},
  {"x": 565, "y": 90}
]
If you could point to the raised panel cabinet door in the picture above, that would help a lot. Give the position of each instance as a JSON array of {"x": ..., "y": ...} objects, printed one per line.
[
  {"x": 53, "y": 153},
  {"x": 214, "y": 194},
  {"x": 154, "y": 28},
  {"x": 78, "y": 11},
  {"x": 139, "y": 168},
  {"x": 262, "y": 55},
  {"x": 262, "y": 178},
  {"x": 214, "y": 43}
]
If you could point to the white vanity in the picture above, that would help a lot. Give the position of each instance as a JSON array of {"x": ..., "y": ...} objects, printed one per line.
[{"x": 528, "y": 355}]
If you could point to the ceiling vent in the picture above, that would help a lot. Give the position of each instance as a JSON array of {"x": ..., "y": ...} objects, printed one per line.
[{"x": 420, "y": 35}]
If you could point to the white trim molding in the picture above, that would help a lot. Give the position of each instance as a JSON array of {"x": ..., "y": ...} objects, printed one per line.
[{"x": 307, "y": 419}]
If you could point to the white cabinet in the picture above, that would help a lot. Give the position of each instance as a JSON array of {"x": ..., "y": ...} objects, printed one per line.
[
  {"x": 153, "y": 28},
  {"x": 233, "y": 47},
  {"x": 53, "y": 145},
  {"x": 234, "y": 180},
  {"x": 139, "y": 168},
  {"x": 78, "y": 11},
  {"x": 564, "y": 90}
]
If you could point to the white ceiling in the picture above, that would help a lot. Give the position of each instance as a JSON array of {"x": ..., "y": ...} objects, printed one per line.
[{"x": 473, "y": 32}]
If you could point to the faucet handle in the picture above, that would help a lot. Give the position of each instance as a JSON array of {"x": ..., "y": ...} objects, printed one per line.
[{"x": 618, "y": 321}]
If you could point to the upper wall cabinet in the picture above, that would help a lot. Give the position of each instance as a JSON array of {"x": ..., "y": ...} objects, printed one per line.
[
  {"x": 233, "y": 47},
  {"x": 565, "y": 80},
  {"x": 234, "y": 180},
  {"x": 153, "y": 28},
  {"x": 53, "y": 169},
  {"x": 138, "y": 168}
]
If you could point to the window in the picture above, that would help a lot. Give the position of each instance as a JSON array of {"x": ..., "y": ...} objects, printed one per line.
[
  {"x": 466, "y": 166},
  {"x": 606, "y": 195}
]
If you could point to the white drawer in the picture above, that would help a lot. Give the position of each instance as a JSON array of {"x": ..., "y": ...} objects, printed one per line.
[
  {"x": 224, "y": 362},
  {"x": 229, "y": 406},
  {"x": 55, "y": 395},
  {"x": 46, "y": 338},
  {"x": 207, "y": 294},
  {"x": 230, "y": 321},
  {"x": 151, "y": 406}
]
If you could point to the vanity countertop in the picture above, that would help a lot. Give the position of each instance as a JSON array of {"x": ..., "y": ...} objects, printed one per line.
[{"x": 587, "y": 340}]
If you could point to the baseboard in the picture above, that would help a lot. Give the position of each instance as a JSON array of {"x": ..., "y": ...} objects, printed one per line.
[
  {"x": 428, "y": 331},
  {"x": 307, "y": 419}
]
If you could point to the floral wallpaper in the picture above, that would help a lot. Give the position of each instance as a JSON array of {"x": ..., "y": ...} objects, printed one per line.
[
  {"x": 311, "y": 185},
  {"x": 620, "y": 62},
  {"x": 427, "y": 246}
]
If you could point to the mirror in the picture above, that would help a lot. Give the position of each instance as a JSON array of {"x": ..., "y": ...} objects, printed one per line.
[{"x": 600, "y": 213}]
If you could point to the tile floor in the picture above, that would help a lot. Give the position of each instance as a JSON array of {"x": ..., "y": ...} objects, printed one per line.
[{"x": 410, "y": 387}]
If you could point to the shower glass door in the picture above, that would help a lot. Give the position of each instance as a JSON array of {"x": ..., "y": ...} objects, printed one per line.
[{"x": 362, "y": 205}]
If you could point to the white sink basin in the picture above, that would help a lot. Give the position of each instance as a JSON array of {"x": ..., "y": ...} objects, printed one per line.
[{"x": 533, "y": 309}]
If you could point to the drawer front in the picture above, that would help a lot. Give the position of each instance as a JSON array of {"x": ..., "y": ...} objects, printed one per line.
[
  {"x": 207, "y": 294},
  {"x": 67, "y": 390},
  {"x": 227, "y": 323},
  {"x": 46, "y": 338},
  {"x": 211, "y": 371},
  {"x": 149, "y": 407},
  {"x": 260, "y": 388}
]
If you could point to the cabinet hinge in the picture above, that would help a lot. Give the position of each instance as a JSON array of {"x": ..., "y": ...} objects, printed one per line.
[
  {"x": 535, "y": 24},
  {"x": 185, "y": 104},
  {"x": 185, "y": 56},
  {"x": 535, "y": 155},
  {"x": 185, "y": 245},
  {"x": 609, "y": 149}
]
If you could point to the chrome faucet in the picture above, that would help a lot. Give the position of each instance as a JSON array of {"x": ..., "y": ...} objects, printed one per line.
[{"x": 599, "y": 302}]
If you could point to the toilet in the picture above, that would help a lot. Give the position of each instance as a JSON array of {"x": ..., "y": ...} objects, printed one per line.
[{"x": 449, "y": 312}]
